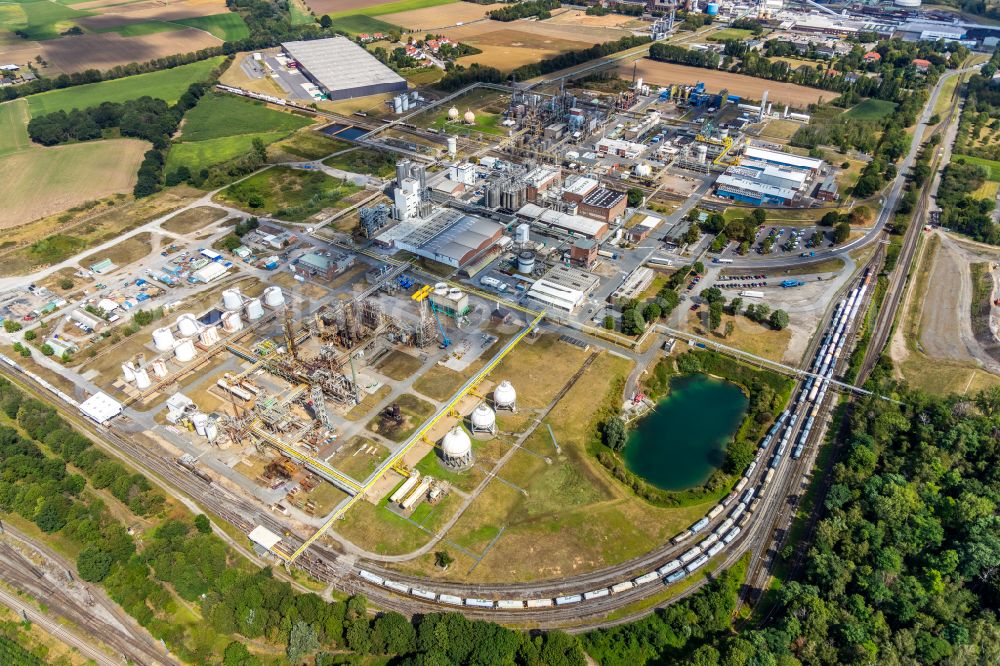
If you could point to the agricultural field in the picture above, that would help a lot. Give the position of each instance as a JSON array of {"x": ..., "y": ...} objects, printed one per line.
[
  {"x": 871, "y": 109},
  {"x": 335, "y": 8},
  {"x": 289, "y": 194},
  {"x": 432, "y": 17},
  {"x": 115, "y": 33},
  {"x": 354, "y": 24},
  {"x": 662, "y": 73},
  {"x": 43, "y": 181},
  {"x": 992, "y": 167},
  {"x": 510, "y": 45},
  {"x": 167, "y": 85}
]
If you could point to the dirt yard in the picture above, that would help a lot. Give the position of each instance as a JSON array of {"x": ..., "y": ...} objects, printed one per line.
[
  {"x": 662, "y": 73},
  {"x": 578, "y": 17}
]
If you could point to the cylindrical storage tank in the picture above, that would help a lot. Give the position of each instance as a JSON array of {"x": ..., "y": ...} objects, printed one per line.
[
  {"x": 163, "y": 339},
  {"x": 504, "y": 396},
  {"x": 211, "y": 429},
  {"x": 232, "y": 322},
  {"x": 199, "y": 420},
  {"x": 909, "y": 4},
  {"x": 702, "y": 153},
  {"x": 454, "y": 292},
  {"x": 712, "y": 9},
  {"x": 142, "y": 379},
  {"x": 187, "y": 325},
  {"x": 159, "y": 368},
  {"x": 209, "y": 336},
  {"x": 452, "y": 146},
  {"x": 232, "y": 299},
  {"x": 483, "y": 419},
  {"x": 254, "y": 309},
  {"x": 127, "y": 372},
  {"x": 185, "y": 351},
  {"x": 397, "y": 104},
  {"x": 273, "y": 297},
  {"x": 526, "y": 262},
  {"x": 523, "y": 233}
]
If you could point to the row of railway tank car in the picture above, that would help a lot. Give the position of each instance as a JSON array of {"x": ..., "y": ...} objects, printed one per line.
[{"x": 812, "y": 393}]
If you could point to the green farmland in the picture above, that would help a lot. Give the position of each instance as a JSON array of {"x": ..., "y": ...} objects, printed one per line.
[
  {"x": 39, "y": 20},
  {"x": 227, "y": 115},
  {"x": 392, "y": 7},
  {"x": 355, "y": 24},
  {"x": 871, "y": 109},
  {"x": 228, "y": 27},
  {"x": 167, "y": 85}
]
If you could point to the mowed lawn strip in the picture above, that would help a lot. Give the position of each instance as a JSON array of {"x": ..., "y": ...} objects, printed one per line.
[
  {"x": 167, "y": 84},
  {"x": 14, "y": 127}
]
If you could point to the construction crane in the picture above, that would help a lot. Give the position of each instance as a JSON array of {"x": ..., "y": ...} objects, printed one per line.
[{"x": 445, "y": 341}]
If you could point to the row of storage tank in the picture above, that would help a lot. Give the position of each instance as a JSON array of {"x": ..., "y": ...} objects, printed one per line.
[{"x": 189, "y": 329}]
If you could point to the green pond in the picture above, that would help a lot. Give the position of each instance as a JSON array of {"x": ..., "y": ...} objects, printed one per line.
[{"x": 679, "y": 445}]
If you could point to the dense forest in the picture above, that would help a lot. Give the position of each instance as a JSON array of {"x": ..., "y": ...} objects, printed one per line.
[{"x": 539, "y": 8}]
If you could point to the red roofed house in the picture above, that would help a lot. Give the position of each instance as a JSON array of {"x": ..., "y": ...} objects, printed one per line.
[
  {"x": 872, "y": 56},
  {"x": 921, "y": 64}
]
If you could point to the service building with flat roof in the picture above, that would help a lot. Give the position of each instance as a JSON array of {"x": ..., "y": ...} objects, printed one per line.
[{"x": 343, "y": 69}]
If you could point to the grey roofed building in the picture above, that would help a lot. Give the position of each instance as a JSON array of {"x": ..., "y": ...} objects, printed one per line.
[{"x": 342, "y": 68}]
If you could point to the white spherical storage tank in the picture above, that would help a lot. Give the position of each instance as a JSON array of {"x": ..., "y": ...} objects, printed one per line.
[
  {"x": 453, "y": 113},
  {"x": 254, "y": 309},
  {"x": 163, "y": 339},
  {"x": 483, "y": 419},
  {"x": 232, "y": 299},
  {"x": 456, "y": 448},
  {"x": 273, "y": 297},
  {"x": 142, "y": 379},
  {"x": 187, "y": 325},
  {"x": 504, "y": 396},
  {"x": 232, "y": 322},
  {"x": 185, "y": 351},
  {"x": 470, "y": 118}
]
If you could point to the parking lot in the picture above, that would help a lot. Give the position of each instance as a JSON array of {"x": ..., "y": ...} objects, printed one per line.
[{"x": 777, "y": 240}]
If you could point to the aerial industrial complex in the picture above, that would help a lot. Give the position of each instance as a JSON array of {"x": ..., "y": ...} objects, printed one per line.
[{"x": 406, "y": 346}]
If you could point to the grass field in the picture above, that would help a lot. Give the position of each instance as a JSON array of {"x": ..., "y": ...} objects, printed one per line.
[
  {"x": 196, "y": 155},
  {"x": 289, "y": 194},
  {"x": 167, "y": 85},
  {"x": 299, "y": 14},
  {"x": 871, "y": 109},
  {"x": 992, "y": 167},
  {"x": 193, "y": 220},
  {"x": 354, "y": 24},
  {"x": 727, "y": 34},
  {"x": 41, "y": 20},
  {"x": 364, "y": 160},
  {"x": 228, "y": 27},
  {"x": 305, "y": 144},
  {"x": 226, "y": 115},
  {"x": 323, "y": 7}
]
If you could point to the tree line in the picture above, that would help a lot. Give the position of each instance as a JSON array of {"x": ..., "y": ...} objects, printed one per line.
[{"x": 540, "y": 8}]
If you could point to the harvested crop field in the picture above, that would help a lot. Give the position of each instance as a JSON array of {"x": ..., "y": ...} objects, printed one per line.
[
  {"x": 105, "y": 50},
  {"x": 662, "y": 73},
  {"x": 43, "y": 181},
  {"x": 154, "y": 9},
  {"x": 578, "y": 18},
  {"x": 435, "y": 17},
  {"x": 510, "y": 45}
]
